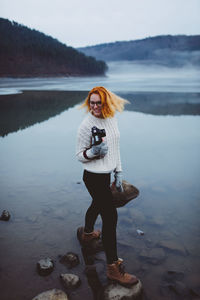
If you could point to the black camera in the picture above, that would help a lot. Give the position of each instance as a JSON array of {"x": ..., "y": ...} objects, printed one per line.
[{"x": 97, "y": 135}]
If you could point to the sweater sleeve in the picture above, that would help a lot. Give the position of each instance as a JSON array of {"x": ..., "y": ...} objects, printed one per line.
[
  {"x": 119, "y": 165},
  {"x": 83, "y": 142}
]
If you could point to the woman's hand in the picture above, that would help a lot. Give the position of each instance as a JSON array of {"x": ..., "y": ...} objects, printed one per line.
[
  {"x": 104, "y": 149},
  {"x": 97, "y": 150},
  {"x": 118, "y": 181}
]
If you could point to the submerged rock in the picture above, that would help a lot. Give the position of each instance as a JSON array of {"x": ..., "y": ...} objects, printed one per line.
[
  {"x": 54, "y": 294},
  {"x": 45, "y": 266},
  {"x": 70, "y": 259},
  {"x": 70, "y": 280},
  {"x": 153, "y": 256},
  {"x": 119, "y": 292},
  {"x": 179, "y": 288},
  {"x": 173, "y": 246},
  {"x": 130, "y": 192},
  {"x": 172, "y": 276},
  {"x": 172, "y": 284},
  {"x": 5, "y": 216}
]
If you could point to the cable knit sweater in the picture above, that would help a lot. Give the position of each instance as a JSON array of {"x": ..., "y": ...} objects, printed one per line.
[{"x": 111, "y": 161}]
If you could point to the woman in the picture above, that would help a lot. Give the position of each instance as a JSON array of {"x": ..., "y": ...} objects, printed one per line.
[{"x": 99, "y": 161}]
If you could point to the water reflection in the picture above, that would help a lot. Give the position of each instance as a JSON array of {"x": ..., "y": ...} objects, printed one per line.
[
  {"x": 38, "y": 184},
  {"x": 164, "y": 103},
  {"x": 30, "y": 107},
  {"x": 23, "y": 110}
]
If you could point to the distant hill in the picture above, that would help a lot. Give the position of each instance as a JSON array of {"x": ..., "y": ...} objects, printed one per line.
[
  {"x": 27, "y": 52},
  {"x": 165, "y": 49}
]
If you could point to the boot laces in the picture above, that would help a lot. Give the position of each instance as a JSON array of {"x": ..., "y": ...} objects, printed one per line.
[{"x": 121, "y": 269}]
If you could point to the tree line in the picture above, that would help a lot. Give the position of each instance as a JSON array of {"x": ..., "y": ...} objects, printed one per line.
[
  {"x": 28, "y": 52},
  {"x": 165, "y": 49}
]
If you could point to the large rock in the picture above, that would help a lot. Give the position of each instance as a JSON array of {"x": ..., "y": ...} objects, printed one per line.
[
  {"x": 54, "y": 294},
  {"x": 119, "y": 292},
  {"x": 130, "y": 192},
  {"x": 70, "y": 280},
  {"x": 45, "y": 266}
]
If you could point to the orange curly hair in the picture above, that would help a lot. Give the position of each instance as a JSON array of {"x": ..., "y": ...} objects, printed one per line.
[{"x": 110, "y": 101}]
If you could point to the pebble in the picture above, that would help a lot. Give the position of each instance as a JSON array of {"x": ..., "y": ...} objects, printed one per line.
[
  {"x": 140, "y": 232},
  {"x": 45, "y": 266},
  {"x": 70, "y": 259},
  {"x": 5, "y": 216},
  {"x": 70, "y": 280}
]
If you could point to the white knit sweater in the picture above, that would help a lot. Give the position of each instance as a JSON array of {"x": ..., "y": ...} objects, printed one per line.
[{"x": 111, "y": 161}]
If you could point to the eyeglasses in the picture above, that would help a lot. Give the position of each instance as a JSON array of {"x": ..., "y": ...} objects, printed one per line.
[{"x": 98, "y": 103}]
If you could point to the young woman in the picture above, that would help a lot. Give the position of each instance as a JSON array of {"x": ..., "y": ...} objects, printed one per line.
[{"x": 99, "y": 161}]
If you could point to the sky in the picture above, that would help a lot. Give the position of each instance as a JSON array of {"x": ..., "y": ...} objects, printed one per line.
[{"x": 80, "y": 23}]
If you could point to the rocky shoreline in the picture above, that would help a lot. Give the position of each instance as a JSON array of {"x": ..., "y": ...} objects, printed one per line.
[{"x": 146, "y": 253}]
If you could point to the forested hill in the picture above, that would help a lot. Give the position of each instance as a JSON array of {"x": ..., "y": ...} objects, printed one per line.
[
  {"x": 165, "y": 49},
  {"x": 27, "y": 52}
]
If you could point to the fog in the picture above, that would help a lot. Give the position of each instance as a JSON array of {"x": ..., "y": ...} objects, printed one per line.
[{"x": 122, "y": 76}]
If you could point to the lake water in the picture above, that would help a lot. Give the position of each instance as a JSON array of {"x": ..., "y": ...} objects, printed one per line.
[{"x": 41, "y": 181}]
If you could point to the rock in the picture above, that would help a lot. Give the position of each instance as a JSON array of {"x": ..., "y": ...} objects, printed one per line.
[
  {"x": 119, "y": 292},
  {"x": 179, "y": 288},
  {"x": 130, "y": 193},
  {"x": 173, "y": 246},
  {"x": 70, "y": 280},
  {"x": 153, "y": 256},
  {"x": 45, "y": 266},
  {"x": 70, "y": 259},
  {"x": 172, "y": 276},
  {"x": 5, "y": 216},
  {"x": 54, "y": 294},
  {"x": 140, "y": 232},
  {"x": 172, "y": 284},
  {"x": 92, "y": 247}
]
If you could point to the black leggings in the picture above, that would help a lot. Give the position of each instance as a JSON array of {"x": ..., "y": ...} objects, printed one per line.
[{"x": 98, "y": 185}]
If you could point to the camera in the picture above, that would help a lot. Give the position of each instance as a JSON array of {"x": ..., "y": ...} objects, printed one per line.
[{"x": 97, "y": 135}]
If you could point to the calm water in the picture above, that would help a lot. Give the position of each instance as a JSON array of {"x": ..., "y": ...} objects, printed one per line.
[{"x": 40, "y": 186}]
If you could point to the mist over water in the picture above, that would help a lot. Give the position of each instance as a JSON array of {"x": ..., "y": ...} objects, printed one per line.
[{"x": 121, "y": 76}]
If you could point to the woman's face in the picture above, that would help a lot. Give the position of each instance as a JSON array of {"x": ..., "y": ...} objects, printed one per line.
[{"x": 95, "y": 105}]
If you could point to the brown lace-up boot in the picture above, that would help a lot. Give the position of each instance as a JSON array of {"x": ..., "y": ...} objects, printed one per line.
[
  {"x": 117, "y": 273},
  {"x": 88, "y": 237}
]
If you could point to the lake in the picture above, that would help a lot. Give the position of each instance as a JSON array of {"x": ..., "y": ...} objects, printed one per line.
[{"x": 41, "y": 181}]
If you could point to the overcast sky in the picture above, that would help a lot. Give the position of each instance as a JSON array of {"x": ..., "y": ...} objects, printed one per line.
[{"x": 80, "y": 23}]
